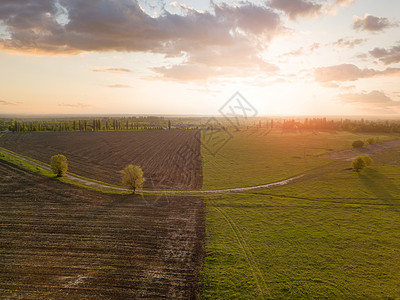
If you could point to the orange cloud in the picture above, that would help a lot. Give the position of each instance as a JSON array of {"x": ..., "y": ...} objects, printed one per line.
[
  {"x": 4, "y": 102},
  {"x": 344, "y": 2},
  {"x": 349, "y": 72},
  {"x": 112, "y": 70},
  {"x": 119, "y": 86},
  {"x": 374, "y": 98},
  {"x": 75, "y": 105}
]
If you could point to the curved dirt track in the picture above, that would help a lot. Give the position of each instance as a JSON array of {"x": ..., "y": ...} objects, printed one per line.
[
  {"x": 169, "y": 192},
  {"x": 170, "y": 159},
  {"x": 350, "y": 154}
]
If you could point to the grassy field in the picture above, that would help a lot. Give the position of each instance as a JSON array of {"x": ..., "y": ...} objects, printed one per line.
[
  {"x": 335, "y": 234},
  {"x": 331, "y": 234},
  {"x": 254, "y": 157}
]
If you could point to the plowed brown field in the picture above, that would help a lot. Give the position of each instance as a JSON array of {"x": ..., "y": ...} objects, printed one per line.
[
  {"x": 61, "y": 242},
  {"x": 169, "y": 159}
]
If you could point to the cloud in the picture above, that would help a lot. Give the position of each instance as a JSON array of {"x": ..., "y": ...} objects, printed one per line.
[
  {"x": 75, "y": 105},
  {"x": 302, "y": 50},
  {"x": 330, "y": 85},
  {"x": 389, "y": 56},
  {"x": 119, "y": 86},
  {"x": 344, "y": 2},
  {"x": 187, "y": 72},
  {"x": 348, "y": 43},
  {"x": 332, "y": 7},
  {"x": 349, "y": 72},
  {"x": 297, "y": 8},
  {"x": 225, "y": 36},
  {"x": 348, "y": 88},
  {"x": 112, "y": 70},
  {"x": 121, "y": 25},
  {"x": 374, "y": 98},
  {"x": 372, "y": 23},
  {"x": 314, "y": 46},
  {"x": 298, "y": 52},
  {"x": 4, "y": 102},
  {"x": 362, "y": 56}
]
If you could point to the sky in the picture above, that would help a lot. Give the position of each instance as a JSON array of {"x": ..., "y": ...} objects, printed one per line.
[{"x": 286, "y": 57}]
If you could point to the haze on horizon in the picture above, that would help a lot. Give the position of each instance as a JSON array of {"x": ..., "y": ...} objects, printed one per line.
[{"x": 297, "y": 57}]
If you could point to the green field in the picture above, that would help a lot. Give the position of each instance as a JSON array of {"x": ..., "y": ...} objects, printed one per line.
[
  {"x": 333, "y": 234},
  {"x": 257, "y": 156}
]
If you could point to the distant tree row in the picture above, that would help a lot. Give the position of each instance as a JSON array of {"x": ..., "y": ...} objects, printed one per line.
[
  {"x": 79, "y": 125},
  {"x": 157, "y": 123},
  {"x": 340, "y": 125}
]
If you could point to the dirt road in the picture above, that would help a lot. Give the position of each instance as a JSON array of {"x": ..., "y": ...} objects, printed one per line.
[
  {"x": 350, "y": 154},
  {"x": 168, "y": 192}
]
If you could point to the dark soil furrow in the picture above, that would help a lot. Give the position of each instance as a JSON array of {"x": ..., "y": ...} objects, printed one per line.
[{"x": 61, "y": 242}]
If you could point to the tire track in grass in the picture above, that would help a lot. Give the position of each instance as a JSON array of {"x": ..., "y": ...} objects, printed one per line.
[{"x": 257, "y": 274}]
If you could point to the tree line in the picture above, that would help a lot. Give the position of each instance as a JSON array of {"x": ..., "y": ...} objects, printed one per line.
[
  {"x": 361, "y": 125},
  {"x": 80, "y": 125},
  {"x": 158, "y": 123}
]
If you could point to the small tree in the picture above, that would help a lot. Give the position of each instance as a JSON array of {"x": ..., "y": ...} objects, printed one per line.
[
  {"x": 132, "y": 177},
  {"x": 358, "y": 164},
  {"x": 358, "y": 144},
  {"x": 367, "y": 160},
  {"x": 59, "y": 164}
]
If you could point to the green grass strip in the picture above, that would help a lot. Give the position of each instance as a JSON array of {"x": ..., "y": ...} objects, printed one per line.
[{"x": 28, "y": 166}]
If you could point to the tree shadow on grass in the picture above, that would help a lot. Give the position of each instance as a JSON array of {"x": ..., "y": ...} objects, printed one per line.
[{"x": 383, "y": 188}]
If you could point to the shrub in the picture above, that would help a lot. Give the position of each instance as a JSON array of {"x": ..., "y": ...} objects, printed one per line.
[
  {"x": 358, "y": 144},
  {"x": 367, "y": 160},
  {"x": 59, "y": 164},
  {"x": 132, "y": 177},
  {"x": 357, "y": 164},
  {"x": 371, "y": 141}
]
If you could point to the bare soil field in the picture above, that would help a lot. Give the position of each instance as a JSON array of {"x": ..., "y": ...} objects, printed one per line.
[
  {"x": 169, "y": 159},
  {"x": 350, "y": 154},
  {"x": 62, "y": 242}
]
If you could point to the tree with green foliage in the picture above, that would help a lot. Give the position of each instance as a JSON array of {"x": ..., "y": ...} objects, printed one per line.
[
  {"x": 358, "y": 144},
  {"x": 361, "y": 162},
  {"x": 132, "y": 177},
  {"x": 367, "y": 160},
  {"x": 358, "y": 164},
  {"x": 59, "y": 164}
]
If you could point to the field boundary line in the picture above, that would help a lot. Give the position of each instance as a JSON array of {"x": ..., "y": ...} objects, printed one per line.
[
  {"x": 95, "y": 183},
  {"x": 257, "y": 274}
]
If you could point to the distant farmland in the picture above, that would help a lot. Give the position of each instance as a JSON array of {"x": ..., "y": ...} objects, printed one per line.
[
  {"x": 169, "y": 159},
  {"x": 62, "y": 242}
]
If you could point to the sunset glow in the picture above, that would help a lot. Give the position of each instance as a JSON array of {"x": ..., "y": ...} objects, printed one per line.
[{"x": 299, "y": 57}]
